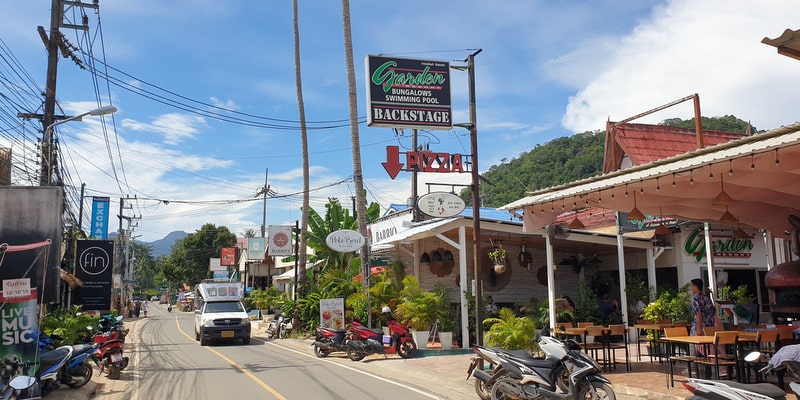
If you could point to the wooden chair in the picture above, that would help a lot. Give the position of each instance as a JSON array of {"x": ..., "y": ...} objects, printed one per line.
[
  {"x": 594, "y": 344},
  {"x": 767, "y": 342},
  {"x": 677, "y": 354},
  {"x": 617, "y": 339},
  {"x": 710, "y": 330},
  {"x": 730, "y": 360},
  {"x": 786, "y": 334},
  {"x": 585, "y": 324}
]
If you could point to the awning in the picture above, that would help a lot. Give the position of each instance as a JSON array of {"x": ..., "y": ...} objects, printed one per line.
[
  {"x": 413, "y": 233},
  {"x": 288, "y": 276},
  {"x": 759, "y": 173}
]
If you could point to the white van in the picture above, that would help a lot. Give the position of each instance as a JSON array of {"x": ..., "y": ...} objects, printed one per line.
[{"x": 219, "y": 313}]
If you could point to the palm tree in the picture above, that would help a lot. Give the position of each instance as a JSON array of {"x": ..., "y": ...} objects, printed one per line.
[
  {"x": 301, "y": 251},
  {"x": 358, "y": 177},
  {"x": 249, "y": 233}
]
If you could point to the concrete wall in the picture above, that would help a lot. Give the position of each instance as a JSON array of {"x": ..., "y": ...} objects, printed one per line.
[{"x": 30, "y": 215}]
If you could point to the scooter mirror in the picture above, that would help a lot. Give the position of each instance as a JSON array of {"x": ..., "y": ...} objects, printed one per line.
[
  {"x": 753, "y": 356},
  {"x": 22, "y": 382},
  {"x": 119, "y": 318}
]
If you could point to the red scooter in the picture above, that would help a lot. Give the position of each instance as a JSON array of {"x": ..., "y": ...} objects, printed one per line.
[
  {"x": 365, "y": 341},
  {"x": 108, "y": 355}
]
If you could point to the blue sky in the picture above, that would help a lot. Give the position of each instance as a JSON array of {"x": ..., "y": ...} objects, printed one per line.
[{"x": 181, "y": 71}]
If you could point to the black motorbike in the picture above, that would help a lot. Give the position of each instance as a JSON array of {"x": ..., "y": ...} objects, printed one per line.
[
  {"x": 527, "y": 378},
  {"x": 329, "y": 340}
]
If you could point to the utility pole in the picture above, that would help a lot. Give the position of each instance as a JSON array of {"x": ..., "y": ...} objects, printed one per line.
[
  {"x": 53, "y": 43},
  {"x": 264, "y": 215},
  {"x": 476, "y": 199}
]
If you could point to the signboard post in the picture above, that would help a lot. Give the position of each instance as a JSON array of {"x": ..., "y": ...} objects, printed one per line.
[{"x": 94, "y": 267}]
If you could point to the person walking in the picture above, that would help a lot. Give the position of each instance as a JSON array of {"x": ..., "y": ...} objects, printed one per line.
[{"x": 145, "y": 307}]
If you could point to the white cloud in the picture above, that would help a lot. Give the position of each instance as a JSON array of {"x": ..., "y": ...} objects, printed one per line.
[
  {"x": 175, "y": 128},
  {"x": 712, "y": 48}
]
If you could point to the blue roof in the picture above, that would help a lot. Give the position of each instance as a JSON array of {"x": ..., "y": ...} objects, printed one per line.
[{"x": 486, "y": 213}]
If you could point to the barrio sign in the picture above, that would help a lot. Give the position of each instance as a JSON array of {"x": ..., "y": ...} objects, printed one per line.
[{"x": 408, "y": 93}]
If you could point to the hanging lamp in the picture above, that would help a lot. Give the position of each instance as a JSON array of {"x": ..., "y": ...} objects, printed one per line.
[
  {"x": 635, "y": 214},
  {"x": 662, "y": 229},
  {"x": 722, "y": 198}
]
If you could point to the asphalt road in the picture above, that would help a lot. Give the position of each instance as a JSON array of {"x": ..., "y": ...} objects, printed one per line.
[{"x": 167, "y": 363}]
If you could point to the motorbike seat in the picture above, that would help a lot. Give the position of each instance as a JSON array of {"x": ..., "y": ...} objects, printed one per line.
[
  {"x": 530, "y": 361},
  {"x": 80, "y": 348},
  {"x": 519, "y": 354},
  {"x": 52, "y": 357},
  {"x": 767, "y": 389}
]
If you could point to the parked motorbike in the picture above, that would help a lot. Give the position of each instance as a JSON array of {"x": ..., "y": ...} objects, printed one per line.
[
  {"x": 487, "y": 369},
  {"x": 280, "y": 326},
  {"x": 329, "y": 340},
  {"x": 527, "y": 378},
  {"x": 365, "y": 341},
  {"x": 785, "y": 358},
  {"x": 78, "y": 371},
  {"x": 109, "y": 351},
  {"x": 21, "y": 383}
]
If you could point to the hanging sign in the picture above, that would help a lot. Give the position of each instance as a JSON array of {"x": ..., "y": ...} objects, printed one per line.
[
  {"x": 280, "y": 240},
  {"x": 345, "y": 240},
  {"x": 441, "y": 204}
]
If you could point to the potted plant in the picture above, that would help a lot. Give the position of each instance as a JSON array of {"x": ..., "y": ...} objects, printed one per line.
[
  {"x": 418, "y": 309},
  {"x": 447, "y": 318},
  {"x": 498, "y": 256}
]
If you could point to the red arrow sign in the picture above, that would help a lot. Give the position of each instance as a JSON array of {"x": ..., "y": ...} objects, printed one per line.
[{"x": 392, "y": 165}]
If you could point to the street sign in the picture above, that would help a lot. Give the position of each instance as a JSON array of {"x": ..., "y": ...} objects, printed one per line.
[{"x": 425, "y": 161}]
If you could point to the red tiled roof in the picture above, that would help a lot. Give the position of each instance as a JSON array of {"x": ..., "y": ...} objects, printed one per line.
[{"x": 644, "y": 143}]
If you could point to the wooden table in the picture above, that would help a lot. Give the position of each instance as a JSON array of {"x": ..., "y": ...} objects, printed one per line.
[
  {"x": 705, "y": 341},
  {"x": 655, "y": 329}
]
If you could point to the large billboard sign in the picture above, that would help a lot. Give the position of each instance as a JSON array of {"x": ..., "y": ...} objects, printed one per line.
[{"x": 408, "y": 93}]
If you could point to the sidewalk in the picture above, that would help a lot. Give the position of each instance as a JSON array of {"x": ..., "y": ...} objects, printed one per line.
[{"x": 446, "y": 370}]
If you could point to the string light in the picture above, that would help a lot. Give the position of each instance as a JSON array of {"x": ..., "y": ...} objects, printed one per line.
[
  {"x": 730, "y": 167},
  {"x": 673, "y": 179},
  {"x": 641, "y": 187},
  {"x": 626, "y": 190},
  {"x": 752, "y": 162},
  {"x": 777, "y": 160},
  {"x": 691, "y": 177},
  {"x": 658, "y": 185}
]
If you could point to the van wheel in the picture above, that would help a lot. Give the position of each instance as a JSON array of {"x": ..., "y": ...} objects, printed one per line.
[
  {"x": 246, "y": 340},
  {"x": 196, "y": 335},
  {"x": 203, "y": 341}
]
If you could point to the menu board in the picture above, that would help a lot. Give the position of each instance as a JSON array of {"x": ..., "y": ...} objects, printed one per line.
[{"x": 331, "y": 313}]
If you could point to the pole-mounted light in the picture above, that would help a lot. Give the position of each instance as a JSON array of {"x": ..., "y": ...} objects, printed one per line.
[{"x": 47, "y": 153}]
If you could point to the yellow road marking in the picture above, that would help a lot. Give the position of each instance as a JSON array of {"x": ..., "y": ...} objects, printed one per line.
[{"x": 235, "y": 365}]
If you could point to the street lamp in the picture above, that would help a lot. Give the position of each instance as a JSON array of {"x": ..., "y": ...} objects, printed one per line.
[{"x": 47, "y": 150}]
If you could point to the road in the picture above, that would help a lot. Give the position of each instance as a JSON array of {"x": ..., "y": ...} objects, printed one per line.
[
  {"x": 167, "y": 363},
  {"x": 170, "y": 364}
]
